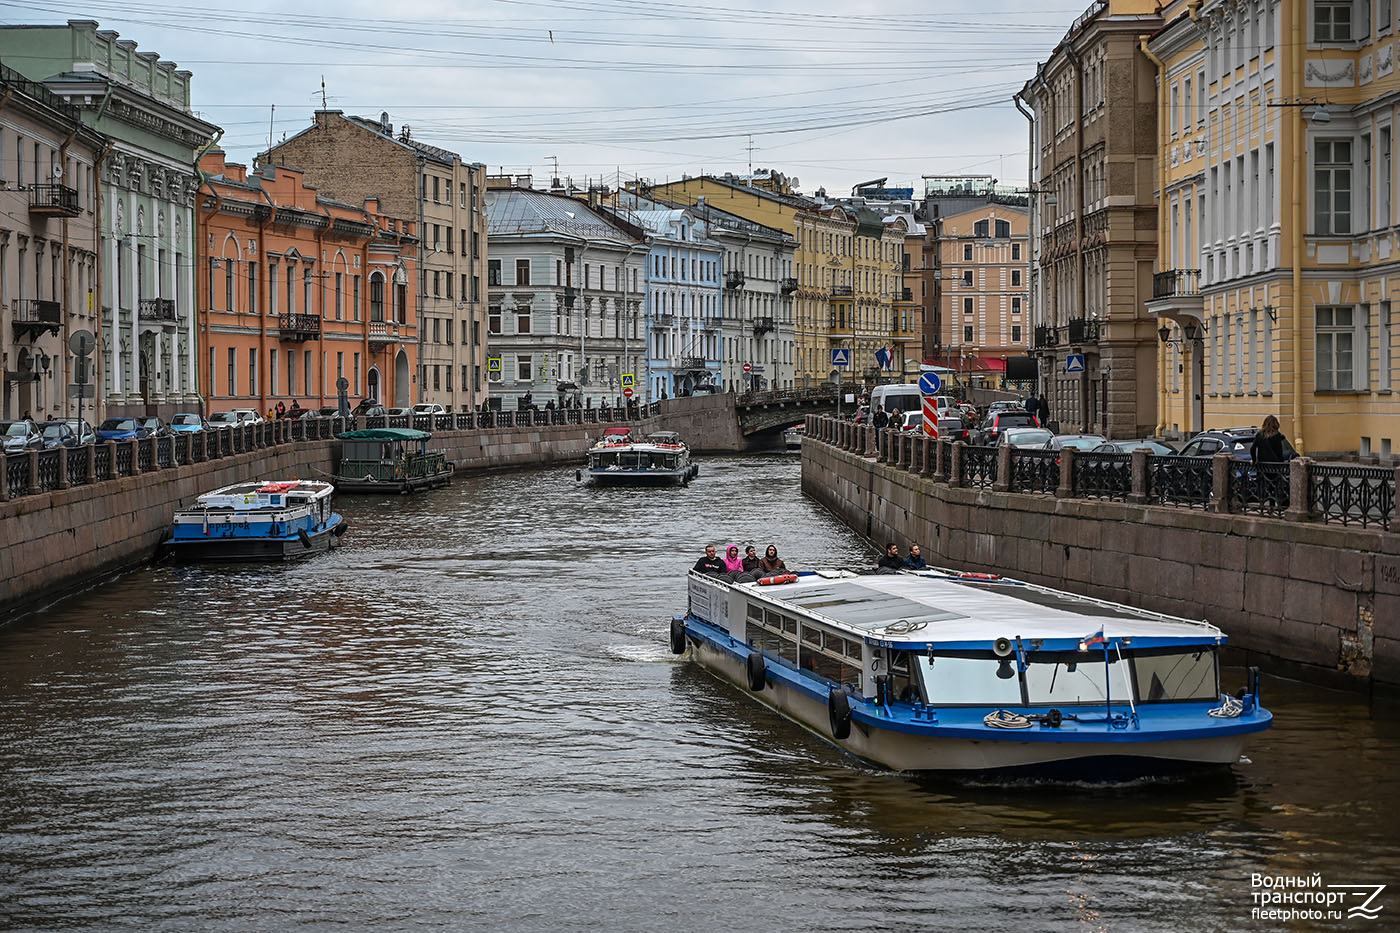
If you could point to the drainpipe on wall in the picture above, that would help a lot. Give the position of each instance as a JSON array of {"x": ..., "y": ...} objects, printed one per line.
[
  {"x": 1079, "y": 203},
  {"x": 1034, "y": 311},
  {"x": 1299, "y": 166},
  {"x": 1161, "y": 234}
]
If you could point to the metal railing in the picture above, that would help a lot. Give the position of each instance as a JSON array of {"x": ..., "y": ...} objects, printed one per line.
[
  {"x": 979, "y": 467},
  {"x": 47, "y": 475},
  {"x": 58, "y": 200},
  {"x": 299, "y": 326},
  {"x": 1184, "y": 481},
  {"x": 78, "y": 464},
  {"x": 102, "y": 461},
  {"x": 1102, "y": 476},
  {"x": 1352, "y": 494},
  {"x": 1176, "y": 282},
  {"x": 17, "y": 475},
  {"x": 157, "y": 309},
  {"x": 1035, "y": 471}
]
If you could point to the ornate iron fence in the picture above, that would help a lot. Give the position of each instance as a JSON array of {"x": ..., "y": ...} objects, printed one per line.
[
  {"x": 165, "y": 452},
  {"x": 78, "y": 464},
  {"x": 145, "y": 454},
  {"x": 1347, "y": 494},
  {"x": 124, "y": 458},
  {"x": 17, "y": 474},
  {"x": 1182, "y": 481},
  {"x": 1102, "y": 476},
  {"x": 197, "y": 445},
  {"x": 1258, "y": 487},
  {"x": 102, "y": 461},
  {"x": 47, "y": 475},
  {"x": 1035, "y": 470},
  {"x": 979, "y": 465}
]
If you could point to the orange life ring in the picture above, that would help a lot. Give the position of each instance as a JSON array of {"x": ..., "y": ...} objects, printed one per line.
[
  {"x": 778, "y": 578},
  {"x": 979, "y": 576}
]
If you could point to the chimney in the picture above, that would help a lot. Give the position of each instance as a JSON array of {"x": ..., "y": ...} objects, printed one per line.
[{"x": 385, "y": 126}]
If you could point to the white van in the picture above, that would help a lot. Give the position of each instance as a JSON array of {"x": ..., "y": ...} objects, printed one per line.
[{"x": 906, "y": 398}]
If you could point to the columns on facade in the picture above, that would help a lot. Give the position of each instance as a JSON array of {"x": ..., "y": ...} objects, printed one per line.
[{"x": 114, "y": 290}]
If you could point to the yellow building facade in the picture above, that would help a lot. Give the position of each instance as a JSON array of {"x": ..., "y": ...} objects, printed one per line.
[{"x": 1279, "y": 233}]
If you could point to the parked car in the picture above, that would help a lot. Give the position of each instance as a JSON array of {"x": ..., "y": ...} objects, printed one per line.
[
  {"x": 188, "y": 423},
  {"x": 154, "y": 426},
  {"x": 248, "y": 416},
  {"x": 1154, "y": 447},
  {"x": 80, "y": 426},
  {"x": 328, "y": 411},
  {"x": 307, "y": 414},
  {"x": 363, "y": 408},
  {"x": 21, "y": 435},
  {"x": 999, "y": 421},
  {"x": 221, "y": 419},
  {"x": 429, "y": 409},
  {"x": 1025, "y": 438},
  {"x": 1234, "y": 441},
  {"x": 1006, "y": 405},
  {"x": 120, "y": 429},
  {"x": 58, "y": 434},
  {"x": 1076, "y": 441},
  {"x": 372, "y": 411},
  {"x": 399, "y": 412}
]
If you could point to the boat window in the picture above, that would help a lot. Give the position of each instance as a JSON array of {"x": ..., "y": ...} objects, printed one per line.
[
  {"x": 1163, "y": 676},
  {"x": 853, "y": 649},
  {"x": 1072, "y": 677},
  {"x": 790, "y": 626},
  {"x": 970, "y": 680},
  {"x": 812, "y": 635},
  {"x": 754, "y": 613},
  {"x": 902, "y": 685}
]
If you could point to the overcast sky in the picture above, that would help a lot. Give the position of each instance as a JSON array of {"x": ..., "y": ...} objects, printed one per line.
[{"x": 833, "y": 93}]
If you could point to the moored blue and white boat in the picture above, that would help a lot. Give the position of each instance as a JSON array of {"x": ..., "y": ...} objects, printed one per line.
[
  {"x": 620, "y": 459},
  {"x": 953, "y": 672},
  {"x": 258, "y": 521}
]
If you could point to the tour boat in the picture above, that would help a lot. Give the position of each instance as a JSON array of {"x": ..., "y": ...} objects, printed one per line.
[
  {"x": 792, "y": 437},
  {"x": 620, "y": 459},
  {"x": 943, "y": 671},
  {"x": 390, "y": 460},
  {"x": 258, "y": 521}
]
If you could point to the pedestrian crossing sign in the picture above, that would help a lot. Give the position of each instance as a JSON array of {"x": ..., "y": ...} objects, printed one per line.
[
  {"x": 1074, "y": 363},
  {"x": 493, "y": 364},
  {"x": 841, "y": 356},
  {"x": 628, "y": 380}
]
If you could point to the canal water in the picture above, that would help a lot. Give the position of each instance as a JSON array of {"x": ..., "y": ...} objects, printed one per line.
[{"x": 468, "y": 718}]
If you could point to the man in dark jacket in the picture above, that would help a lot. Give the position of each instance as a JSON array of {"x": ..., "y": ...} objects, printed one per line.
[
  {"x": 915, "y": 560},
  {"x": 891, "y": 562},
  {"x": 881, "y": 419},
  {"x": 709, "y": 563},
  {"x": 1042, "y": 410}
]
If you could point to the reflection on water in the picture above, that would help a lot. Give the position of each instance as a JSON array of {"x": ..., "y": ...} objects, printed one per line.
[{"x": 468, "y": 717}]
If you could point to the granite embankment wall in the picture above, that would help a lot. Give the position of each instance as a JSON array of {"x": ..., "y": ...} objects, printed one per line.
[
  {"x": 1319, "y": 602},
  {"x": 55, "y": 542}
]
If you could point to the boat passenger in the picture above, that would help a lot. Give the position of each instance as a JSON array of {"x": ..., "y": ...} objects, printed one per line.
[
  {"x": 771, "y": 562},
  {"x": 709, "y": 563},
  {"x": 891, "y": 562},
  {"x": 915, "y": 560},
  {"x": 732, "y": 561},
  {"x": 751, "y": 559}
]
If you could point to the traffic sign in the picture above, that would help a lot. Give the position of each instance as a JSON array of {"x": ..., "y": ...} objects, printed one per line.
[
  {"x": 627, "y": 392},
  {"x": 1074, "y": 363},
  {"x": 493, "y": 364},
  {"x": 81, "y": 390},
  {"x": 841, "y": 356},
  {"x": 929, "y": 384},
  {"x": 342, "y": 384},
  {"x": 628, "y": 380},
  {"x": 81, "y": 342},
  {"x": 930, "y": 417},
  {"x": 748, "y": 367}
]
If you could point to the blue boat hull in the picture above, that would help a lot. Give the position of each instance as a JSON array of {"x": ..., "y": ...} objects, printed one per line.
[
  {"x": 258, "y": 547},
  {"x": 678, "y": 477}
]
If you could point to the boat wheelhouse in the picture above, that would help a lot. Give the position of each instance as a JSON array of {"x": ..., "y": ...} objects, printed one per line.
[
  {"x": 944, "y": 671},
  {"x": 620, "y": 458},
  {"x": 792, "y": 437},
  {"x": 390, "y": 460},
  {"x": 258, "y": 521}
]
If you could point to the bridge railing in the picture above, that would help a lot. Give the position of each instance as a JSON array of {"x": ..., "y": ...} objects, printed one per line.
[{"x": 1298, "y": 491}]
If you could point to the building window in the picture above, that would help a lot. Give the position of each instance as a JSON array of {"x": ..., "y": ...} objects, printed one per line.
[
  {"x": 522, "y": 272},
  {"x": 437, "y": 284},
  {"x": 355, "y": 295},
  {"x": 522, "y": 320},
  {"x": 967, "y": 306},
  {"x": 376, "y": 297},
  {"x": 1332, "y": 186},
  {"x": 232, "y": 371},
  {"x": 1332, "y": 20},
  {"x": 1336, "y": 342},
  {"x": 1015, "y": 278},
  {"x": 982, "y": 228},
  {"x": 967, "y": 334},
  {"x": 437, "y": 189},
  {"x": 1015, "y": 306},
  {"x": 524, "y": 366},
  {"x": 252, "y": 288},
  {"x": 1015, "y": 333},
  {"x": 1003, "y": 229},
  {"x": 493, "y": 321},
  {"x": 340, "y": 296},
  {"x": 967, "y": 278},
  {"x": 967, "y": 252},
  {"x": 493, "y": 272},
  {"x": 1015, "y": 251}
]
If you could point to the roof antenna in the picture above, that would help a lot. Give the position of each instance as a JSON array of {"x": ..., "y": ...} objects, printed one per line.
[
  {"x": 323, "y": 93},
  {"x": 271, "y": 119}
]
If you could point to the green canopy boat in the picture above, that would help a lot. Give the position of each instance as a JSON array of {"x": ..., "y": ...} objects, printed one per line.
[{"x": 390, "y": 460}]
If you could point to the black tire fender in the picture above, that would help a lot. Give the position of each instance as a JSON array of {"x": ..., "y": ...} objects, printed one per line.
[
  {"x": 677, "y": 636},
  {"x": 838, "y": 708},
  {"x": 304, "y": 537},
  {"x": 757, "y": 670}
]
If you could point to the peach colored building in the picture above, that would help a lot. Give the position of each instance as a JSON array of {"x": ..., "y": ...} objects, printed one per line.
[{"x": 297, "y": 291}]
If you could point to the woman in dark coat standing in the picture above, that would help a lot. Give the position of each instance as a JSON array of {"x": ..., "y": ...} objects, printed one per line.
[{"x": 1269, "y": 443}]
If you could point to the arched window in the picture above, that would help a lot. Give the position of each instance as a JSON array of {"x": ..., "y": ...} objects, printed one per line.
[{"x": 376, "y": 296}]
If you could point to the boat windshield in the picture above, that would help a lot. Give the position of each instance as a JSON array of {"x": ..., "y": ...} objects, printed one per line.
[{"x": 1070, "y": 678}]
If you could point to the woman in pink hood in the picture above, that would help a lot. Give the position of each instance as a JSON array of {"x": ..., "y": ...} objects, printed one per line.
[{"x": 732, "y": 560}]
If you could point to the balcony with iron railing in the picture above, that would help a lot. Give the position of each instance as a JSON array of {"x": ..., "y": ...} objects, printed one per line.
[
  {"x": 788, "y": 286},
  {"x": 383, "y": 333},
  {"x": 34, "y": 316},
  {"x": 693, "y": 362},
  {"x": 842, "y": 291},
  {"x": 157, "y": 309},
  {"x": 54, "y": 201},
  {"x": 1177, "y": 292},
  {"x": 762, "y": 325},
  {"x": 299, "y": 326},
  {"x": 1082, "y": 331},
  {"x": 734, "y": 278}
]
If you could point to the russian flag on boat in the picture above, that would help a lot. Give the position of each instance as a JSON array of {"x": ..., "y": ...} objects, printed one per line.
[{"x": 1095, "y": 639}]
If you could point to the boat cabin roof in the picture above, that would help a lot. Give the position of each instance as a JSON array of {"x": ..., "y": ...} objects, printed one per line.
[
  {"x": 385, "y": 434},
  {"x": 664, "y": 437},
  {"x": 949, "y": 610},
  {"x": 263, "y": 493}
]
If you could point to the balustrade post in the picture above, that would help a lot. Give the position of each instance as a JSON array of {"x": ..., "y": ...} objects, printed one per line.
[
  {"x": 940, "y": 460},
  {"x": 135, "y": 447},
  {"x": 928, "y": 444},
  {"x": 33, "y": 488},
  {"x": 63, "y": 468},
  {"x": 1138, "y": 494},
  {"x": 1003, "y": 481},
  {"x": 955, "y": 471},
  {"x": 1299, "y": 481},
  {"x": 112, "y": 472},
  {"x": 90, "y": 451},
  {"x": 1066, "y": 487},
  {"x": 1220, "y": 483},
  {"x": 4, "y": 477},
  {"x": 871, "y": 440}
]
